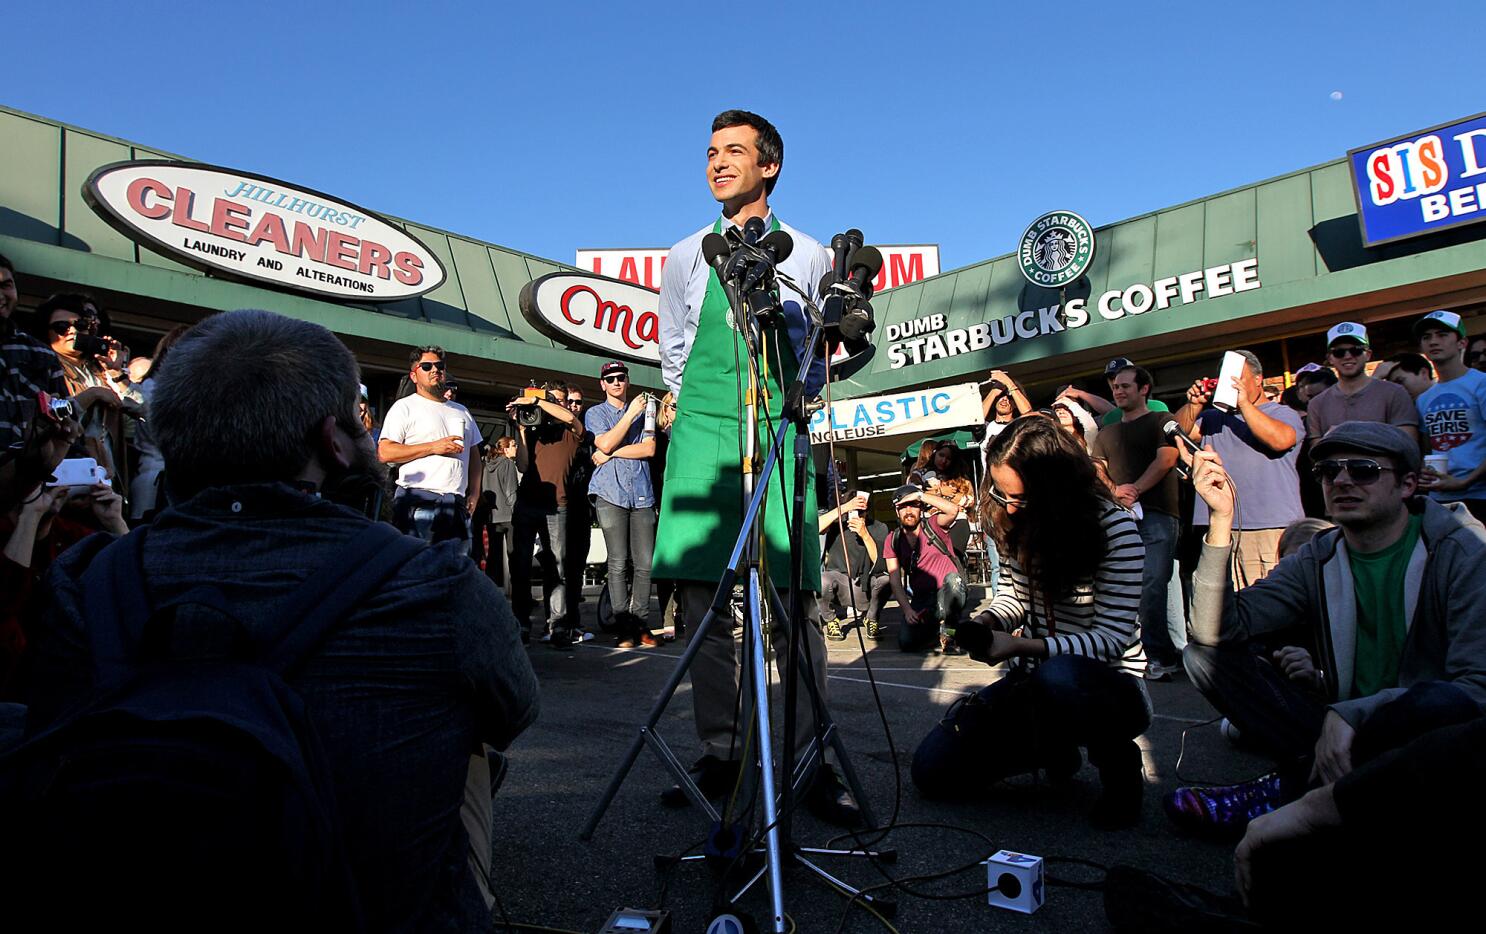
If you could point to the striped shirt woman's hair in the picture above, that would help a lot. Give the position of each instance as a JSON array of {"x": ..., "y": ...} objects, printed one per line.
[{"x": 1057, "y": 536}]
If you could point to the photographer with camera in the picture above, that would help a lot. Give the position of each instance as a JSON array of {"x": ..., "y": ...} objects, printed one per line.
[
  {"x": 93, "y": 366},
  {"x": 548, "y": 439},
  {"x": 1259, "y": 443},
  {"x": 399, "y": 661},
  {"x": 624, "y": 499},
  {"x": 431, "y": 438},
  {"x": 1065, "y": 617}
]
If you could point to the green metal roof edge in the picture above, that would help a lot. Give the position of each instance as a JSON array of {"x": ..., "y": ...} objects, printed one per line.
[
  {"x": 392, "y": 217},
  {"x": 195, "y": 289}
]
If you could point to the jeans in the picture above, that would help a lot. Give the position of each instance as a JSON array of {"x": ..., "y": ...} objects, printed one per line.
[
  {"x": 552, "y": 530},
  {"x": 629, "y": 537},
  {"x": 498, "y": 559},
  {"x": 1023, "y": 722},
  {"x": 1162, "y": 633},
  {"x": 838, "y": 589},
  {"x": 433, "y": 517},
  {"x": 937, "y": 611},
  {"x": 1283, "y": 720}
]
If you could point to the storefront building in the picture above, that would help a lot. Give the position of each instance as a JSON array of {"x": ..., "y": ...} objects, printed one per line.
[{"x": 1380, "y": 236}]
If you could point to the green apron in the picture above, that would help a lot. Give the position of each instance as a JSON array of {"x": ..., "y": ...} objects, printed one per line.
[{"x": 702, "y": 505}]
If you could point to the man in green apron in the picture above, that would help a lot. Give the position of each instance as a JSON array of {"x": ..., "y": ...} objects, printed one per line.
[{"x": 704, "y": 361}]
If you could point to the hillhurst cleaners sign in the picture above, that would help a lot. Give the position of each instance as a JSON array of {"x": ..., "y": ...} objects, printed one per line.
[
  {"x": 918, "y": 411},
  {"x": 251, "y": 227},
  {"x": 919, "y": 340},
  {"x": 1422, "y": 182}
]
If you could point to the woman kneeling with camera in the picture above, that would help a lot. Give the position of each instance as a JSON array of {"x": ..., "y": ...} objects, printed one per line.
[{"x": 1065, "y": 618}]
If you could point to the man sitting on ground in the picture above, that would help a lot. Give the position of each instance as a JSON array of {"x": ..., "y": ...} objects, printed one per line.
[
  {"x": 852, "y": 573},
  {"x": 1391, "y": 607},
  {"x": 401, "y": 694},
  {"x": 934, "y": 596}
]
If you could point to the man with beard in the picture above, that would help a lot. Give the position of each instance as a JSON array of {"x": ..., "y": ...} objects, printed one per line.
[
  {"x": 431, "y": 438},
  {"x": 1357, "y": 397},
  {"x": 400, "y": 694},
  {"x": 934, "y": 595}
]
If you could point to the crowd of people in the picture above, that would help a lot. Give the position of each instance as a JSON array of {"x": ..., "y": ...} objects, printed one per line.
[{"x": 1317, "y": 579}]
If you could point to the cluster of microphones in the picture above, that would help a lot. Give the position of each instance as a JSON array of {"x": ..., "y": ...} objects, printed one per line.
[{"x": 747, "y": 261}]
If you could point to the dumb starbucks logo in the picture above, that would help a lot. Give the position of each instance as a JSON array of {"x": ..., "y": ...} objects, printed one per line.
[{"x": 1056, "y": 249}]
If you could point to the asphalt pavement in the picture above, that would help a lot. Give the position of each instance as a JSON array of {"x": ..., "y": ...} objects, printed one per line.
[{"x": 595, "y": 697}]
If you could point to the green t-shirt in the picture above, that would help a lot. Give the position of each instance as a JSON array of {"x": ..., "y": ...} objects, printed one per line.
[
  {"x": 1381, "y": 627},
  {"x": 1113, "y": 415}
]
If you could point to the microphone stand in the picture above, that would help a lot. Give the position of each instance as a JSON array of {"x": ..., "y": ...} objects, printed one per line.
[{"x": 744, "y": 562}]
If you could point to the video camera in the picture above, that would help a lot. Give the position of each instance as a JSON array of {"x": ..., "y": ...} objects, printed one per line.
[{"x": 531, "y": 415}]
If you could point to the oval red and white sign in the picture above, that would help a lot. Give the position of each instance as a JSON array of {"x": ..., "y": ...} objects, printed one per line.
[
  {"x": 588, "y": 312},
  {"x": 252, "y": 227}
]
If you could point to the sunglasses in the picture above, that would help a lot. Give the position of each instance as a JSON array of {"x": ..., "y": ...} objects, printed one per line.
[
  {"x": 62, "y": 327},
  {"x": 617, "y": 378},
  {"x": 1360, "y": 469},
  {"x": 1349, "y": 350},
  {"x": 427, "y": 367},
  {"x": 574, "y": 402},
  {"x": 1006, "y": 502}
]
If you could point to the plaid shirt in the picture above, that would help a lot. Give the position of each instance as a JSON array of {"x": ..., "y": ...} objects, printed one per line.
[{"x": 27, "y": 366}]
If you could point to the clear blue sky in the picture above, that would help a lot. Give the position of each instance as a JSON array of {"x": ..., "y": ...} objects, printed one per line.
[{"x": 550, "y": 126}]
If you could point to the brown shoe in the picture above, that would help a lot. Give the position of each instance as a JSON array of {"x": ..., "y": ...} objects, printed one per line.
[{"x": 647, "y": 640}]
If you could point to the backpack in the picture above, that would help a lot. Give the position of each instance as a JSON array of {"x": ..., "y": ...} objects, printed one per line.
[{"x": 188, "y": 789}]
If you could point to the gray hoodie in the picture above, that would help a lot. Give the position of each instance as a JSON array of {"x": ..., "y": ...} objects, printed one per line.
[{"x": 1444, "y": 607}]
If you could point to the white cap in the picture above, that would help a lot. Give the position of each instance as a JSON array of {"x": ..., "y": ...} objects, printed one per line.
[
  {"x": 1347, "y": 330},
  {"x": 1445, "y": 319}
]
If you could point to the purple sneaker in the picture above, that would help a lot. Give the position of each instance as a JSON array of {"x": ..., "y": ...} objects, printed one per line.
[{"x": 1222, "y": 811}]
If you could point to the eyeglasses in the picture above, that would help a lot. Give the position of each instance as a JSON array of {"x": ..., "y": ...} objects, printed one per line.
[
  {"x": 1348, "y": 350},
  {"x": 1006, "y": 502},
  {"x": 616, "y": 378},
  {"x": 427, "y": 367},
  {"x": 574, "y": 403},
  {"x": 1361, "y": 470}
]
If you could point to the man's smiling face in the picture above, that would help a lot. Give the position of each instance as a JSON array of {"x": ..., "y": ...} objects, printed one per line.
[{"x": 733, "y": 171}]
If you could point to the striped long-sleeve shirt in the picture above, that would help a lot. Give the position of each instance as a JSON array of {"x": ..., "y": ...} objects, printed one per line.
[{"x": 1099, "y": 619}]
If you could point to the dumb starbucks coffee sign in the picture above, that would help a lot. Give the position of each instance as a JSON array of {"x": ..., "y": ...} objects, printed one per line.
[
  {"x": 1056, "y": 249},
  {"x": 249, "y": 227}
]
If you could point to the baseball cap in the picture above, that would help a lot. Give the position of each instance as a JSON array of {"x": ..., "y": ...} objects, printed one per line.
[
  {"x": 1448, "y": 320},
  {"x": 903, "y": 492},
  {"x": 612, "y": 367},
  {"x": 1116, "y": 365},
  {"x": 1370, "y": 438},
  {"x": 1308, "y": 368},
  {"x": 1346, "y": 331}
]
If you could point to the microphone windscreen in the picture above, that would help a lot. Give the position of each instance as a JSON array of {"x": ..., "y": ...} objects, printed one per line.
[
  {"x": 854, "y": 235},
  {"x": 868, "y": 258},
  {"x": 715, "y": 248},
  {"x": 780, "y": 244},
  {"x": 753, "y": 229}
]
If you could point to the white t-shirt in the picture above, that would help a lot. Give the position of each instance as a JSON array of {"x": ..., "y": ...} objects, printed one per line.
[{"x": 416, "y": 420}]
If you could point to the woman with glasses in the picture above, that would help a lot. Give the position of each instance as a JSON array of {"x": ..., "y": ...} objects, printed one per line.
[
  {"x": 93, "y": 367},
  {"x": 1065, "y": 617}
]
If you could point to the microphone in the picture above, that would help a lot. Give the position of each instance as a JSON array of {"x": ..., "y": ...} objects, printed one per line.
[
  {"x": 842, "y": 246},
  {"x": 864, "y": 265},
  {"x": 716, "y": 250},
  {"x": 1176, "y": 436},
  {"x": 753, "y": 230},
  {"x": 771, "y": 251}
]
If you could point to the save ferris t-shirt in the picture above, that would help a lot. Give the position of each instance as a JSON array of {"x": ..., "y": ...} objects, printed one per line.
[{"x": 1454, "y": 420}]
